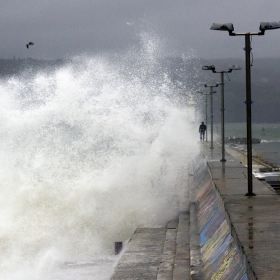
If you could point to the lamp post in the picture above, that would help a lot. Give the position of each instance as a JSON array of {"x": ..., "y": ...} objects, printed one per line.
[
  {"x": 206, "y": 115},
  {"x": 263, "y": 27},
  {"x": 211, "y": 110},
  {"x": 212, "y": 68}
]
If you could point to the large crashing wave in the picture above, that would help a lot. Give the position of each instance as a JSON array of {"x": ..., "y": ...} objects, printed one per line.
[{"x": 89, "y": 152}]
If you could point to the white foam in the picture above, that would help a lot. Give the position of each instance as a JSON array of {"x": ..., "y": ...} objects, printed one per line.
[{"x": 88, "y": 153}]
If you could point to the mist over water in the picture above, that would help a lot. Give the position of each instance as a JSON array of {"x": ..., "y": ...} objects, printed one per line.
[{"x": 88, "y": 153}]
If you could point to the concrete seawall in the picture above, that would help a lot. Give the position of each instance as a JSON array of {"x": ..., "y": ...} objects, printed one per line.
[
  {"x": 222, "y": 235},
  {"x": 221, "y": 254}
]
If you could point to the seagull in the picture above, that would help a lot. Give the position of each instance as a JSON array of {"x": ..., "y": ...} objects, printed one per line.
[{"x": 29, "y": 44}]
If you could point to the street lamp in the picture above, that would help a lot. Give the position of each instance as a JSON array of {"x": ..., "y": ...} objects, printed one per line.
[
  {"x": 212, "y": 68},
  {"x": 211, "y": 105},
  {"x": 206, "y": 115},
  {"x": 263, "y": 27}
]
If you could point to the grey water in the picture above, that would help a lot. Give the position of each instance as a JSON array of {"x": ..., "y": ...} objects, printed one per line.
[{"x": 88, "y": 153}]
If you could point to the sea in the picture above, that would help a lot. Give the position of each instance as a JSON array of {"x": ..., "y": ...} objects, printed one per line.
[
  {"x": 268, "y": 134},
  {"x": 89, "y": 152}
]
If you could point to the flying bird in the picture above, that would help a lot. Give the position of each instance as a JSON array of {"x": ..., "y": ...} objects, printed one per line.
[{"x": 29, "y": 44}]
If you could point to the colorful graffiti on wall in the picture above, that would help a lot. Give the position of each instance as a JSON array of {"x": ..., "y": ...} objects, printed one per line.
[{"x": 222, "y": 258}]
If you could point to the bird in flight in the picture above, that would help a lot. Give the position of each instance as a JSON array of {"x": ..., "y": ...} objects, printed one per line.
[{"x": 29, "y": 44}]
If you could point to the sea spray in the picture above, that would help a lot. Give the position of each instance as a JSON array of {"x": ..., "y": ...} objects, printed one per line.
[{"x": 89, "y": 152}]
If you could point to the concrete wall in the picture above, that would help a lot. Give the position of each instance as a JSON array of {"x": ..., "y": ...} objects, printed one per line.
[{"x": 222, "y": 255}]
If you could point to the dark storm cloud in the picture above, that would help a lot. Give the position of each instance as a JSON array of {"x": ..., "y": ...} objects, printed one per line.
[{"x": 70, "y": 27}]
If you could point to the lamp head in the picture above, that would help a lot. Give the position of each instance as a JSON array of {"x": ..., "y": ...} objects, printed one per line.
[
  {"x": 234, "y": 67},
  {"x": 211, "y": 67},
  {"x": 269, "y": 25},
  {"x": 214, "y": 85},
  {"x": 223, "y": 27}
]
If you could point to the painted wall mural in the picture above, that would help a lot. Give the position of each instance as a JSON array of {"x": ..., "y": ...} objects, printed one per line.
[{"x": 222, "y": 258}]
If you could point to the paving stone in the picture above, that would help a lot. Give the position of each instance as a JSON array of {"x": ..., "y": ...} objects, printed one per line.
[
  {"x": 181, "y": 270},
  {"x": 135, "y": 273},
  {"x": 143, "y": 257},
  {"x": 184, "y": 227},
  {"x": 171, "y": 234},
  {"x": 169, "y": 246},
  {"x": 182, "y": 252},
  {"x": 165, "y": 271},
  {"x": 172, "y": 224},
  {"x": 168, "y": 258}
]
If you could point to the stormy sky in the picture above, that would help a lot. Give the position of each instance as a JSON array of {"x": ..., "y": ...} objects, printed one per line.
[{"x": 65, "y": 28}]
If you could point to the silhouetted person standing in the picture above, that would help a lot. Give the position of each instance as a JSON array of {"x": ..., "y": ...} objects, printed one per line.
[{"x": 202, "y": 129}]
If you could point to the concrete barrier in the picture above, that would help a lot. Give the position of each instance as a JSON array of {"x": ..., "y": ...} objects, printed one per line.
[{"x": 222, "y": 255}]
